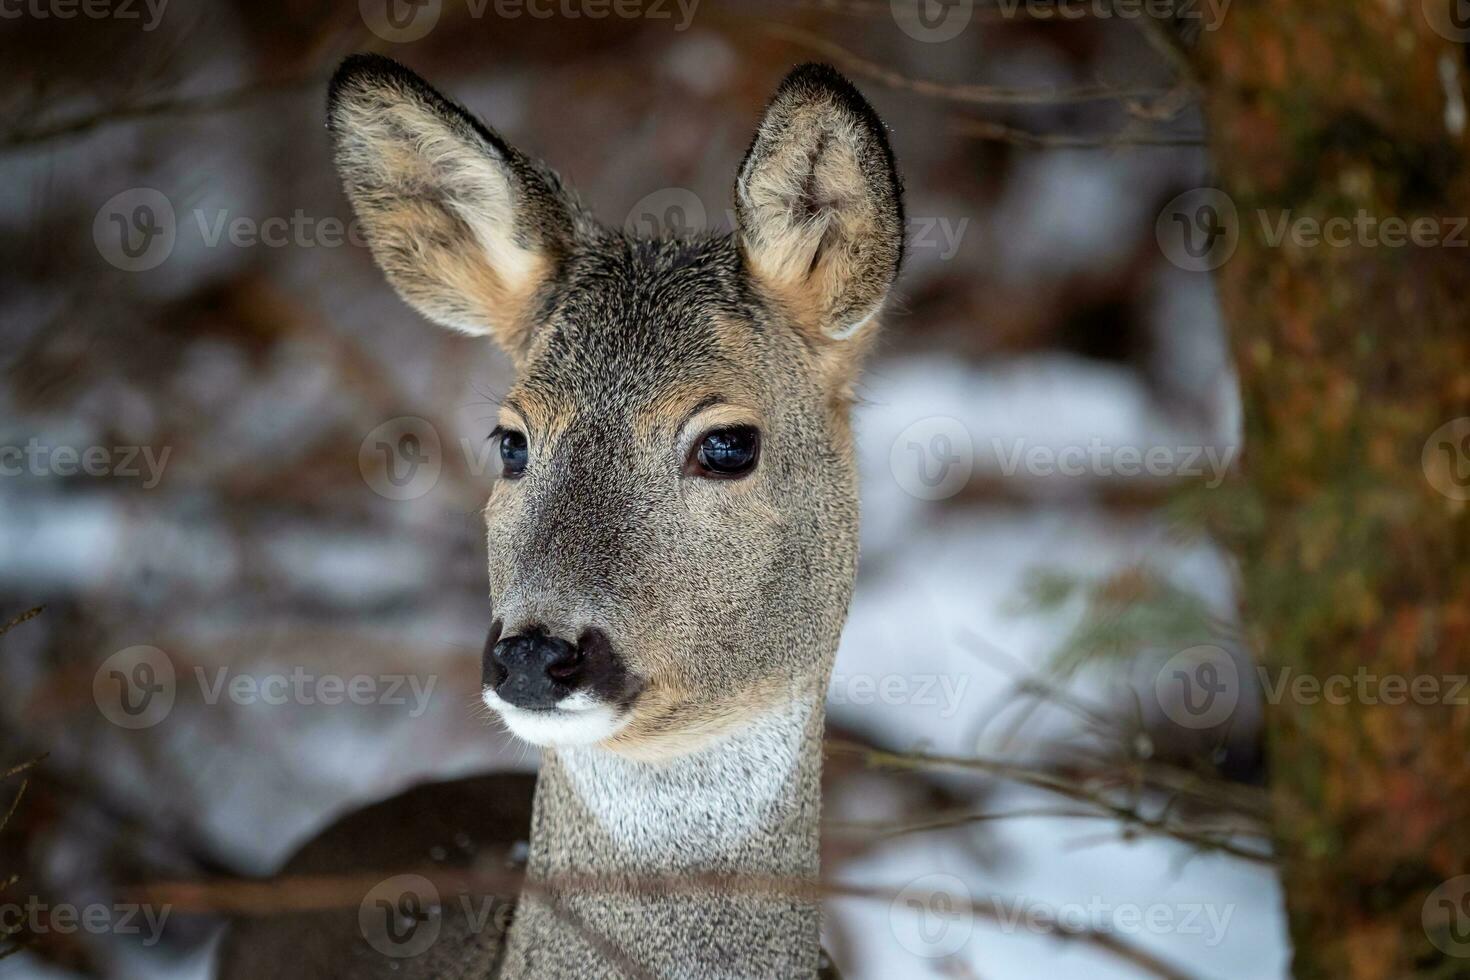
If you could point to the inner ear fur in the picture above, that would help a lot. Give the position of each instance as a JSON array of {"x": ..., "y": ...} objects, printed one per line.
[
  {"x": 819, "y": 208},
  {"x": 467, "y": 229}
]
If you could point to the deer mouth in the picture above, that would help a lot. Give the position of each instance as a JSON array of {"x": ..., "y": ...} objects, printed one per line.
[{"x": 580, "y": 718}]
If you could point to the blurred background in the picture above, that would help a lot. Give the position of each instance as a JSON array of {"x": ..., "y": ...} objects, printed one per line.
[{"x": 237, "y": 468}]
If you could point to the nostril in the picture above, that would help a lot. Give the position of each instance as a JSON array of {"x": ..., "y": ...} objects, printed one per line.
[
  {"x": 565, "y": 666},
  {"x": 492, "y": 671}
]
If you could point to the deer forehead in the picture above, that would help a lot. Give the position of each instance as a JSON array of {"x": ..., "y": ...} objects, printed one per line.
[{"x": 648, "y": 351}]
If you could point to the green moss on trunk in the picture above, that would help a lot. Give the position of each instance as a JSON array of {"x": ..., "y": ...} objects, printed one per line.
[{"x": 1350, "y": 358}]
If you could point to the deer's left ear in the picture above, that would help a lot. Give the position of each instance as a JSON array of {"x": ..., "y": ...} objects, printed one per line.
[{"x": 819, "y": 206}]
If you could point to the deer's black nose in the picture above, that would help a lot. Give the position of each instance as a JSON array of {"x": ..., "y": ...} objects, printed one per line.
[{"x": 531, "y": 670}]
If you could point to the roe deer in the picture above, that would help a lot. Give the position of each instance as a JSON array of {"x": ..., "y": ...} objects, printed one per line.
[{"x": 673, "y": 542}]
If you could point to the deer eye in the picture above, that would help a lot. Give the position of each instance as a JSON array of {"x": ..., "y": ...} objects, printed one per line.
[
  {"x": 727, "y": 453},
  {"x": 513, "y": 453}
]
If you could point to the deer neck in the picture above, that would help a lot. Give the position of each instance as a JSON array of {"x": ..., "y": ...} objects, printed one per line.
[{"x": 680, "y": 868}]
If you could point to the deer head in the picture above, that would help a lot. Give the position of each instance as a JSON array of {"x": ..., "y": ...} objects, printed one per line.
[{"x": 673, "y": 539}]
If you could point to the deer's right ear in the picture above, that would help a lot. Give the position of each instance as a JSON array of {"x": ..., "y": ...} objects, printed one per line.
[{"x": 468, "y": 230}]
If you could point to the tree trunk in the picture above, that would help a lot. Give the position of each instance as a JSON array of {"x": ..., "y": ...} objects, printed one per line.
[{"x": 1355, "y": 535}]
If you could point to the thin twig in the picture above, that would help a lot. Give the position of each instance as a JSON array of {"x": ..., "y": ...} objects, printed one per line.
[
  {"x": 154, "y": 108},
  {"x": 950, "y": 820},
  {"x": 285, "y": 894},
  {"x": 23, "y": 617},
  {"x": 1000, "y": 133},
  {"x": 970, "y": 94},
  {"x": 1060, "y": 784}
]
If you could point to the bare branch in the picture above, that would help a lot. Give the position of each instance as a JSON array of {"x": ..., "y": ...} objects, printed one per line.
[
  {"x": 22, "y": 138},
  {"x": 970, "y": 94},
  {"x": 1000, "y": 133},
  {"x": 23, "y": 617},
  {"x": 298, "y": 893},
  {"x": 1092, "y": 791}
]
